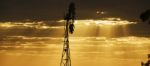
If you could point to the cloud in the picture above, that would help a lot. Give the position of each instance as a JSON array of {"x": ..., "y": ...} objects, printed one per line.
[{"x": 48, "y": 9}]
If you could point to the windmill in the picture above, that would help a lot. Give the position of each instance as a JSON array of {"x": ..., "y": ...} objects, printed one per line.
[{"x": 69, "y": 28}]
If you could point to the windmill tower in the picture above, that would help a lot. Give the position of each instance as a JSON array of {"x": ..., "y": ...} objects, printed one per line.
[
  {"x": 147, "y": 63},
  {"x": 69, "y": 28}
]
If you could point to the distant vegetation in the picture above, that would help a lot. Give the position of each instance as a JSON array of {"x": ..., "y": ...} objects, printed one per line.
[{"x": 145, "y": 16}]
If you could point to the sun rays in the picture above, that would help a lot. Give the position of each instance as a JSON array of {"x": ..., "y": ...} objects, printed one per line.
[{"x": 41, "y": 42}]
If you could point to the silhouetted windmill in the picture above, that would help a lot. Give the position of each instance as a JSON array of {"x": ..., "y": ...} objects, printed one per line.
[{"x": 69, "y": 28}]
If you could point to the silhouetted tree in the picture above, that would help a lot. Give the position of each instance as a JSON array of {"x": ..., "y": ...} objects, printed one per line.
[{"x": 145, "y": 16}]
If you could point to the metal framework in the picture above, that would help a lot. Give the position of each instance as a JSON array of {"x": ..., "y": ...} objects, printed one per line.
[
  {"x": 147, "y": 63},
  {"x": 69, "y": 28}
]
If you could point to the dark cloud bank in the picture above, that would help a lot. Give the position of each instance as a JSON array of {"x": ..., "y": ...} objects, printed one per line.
[{"x": 54, "y": 9}]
